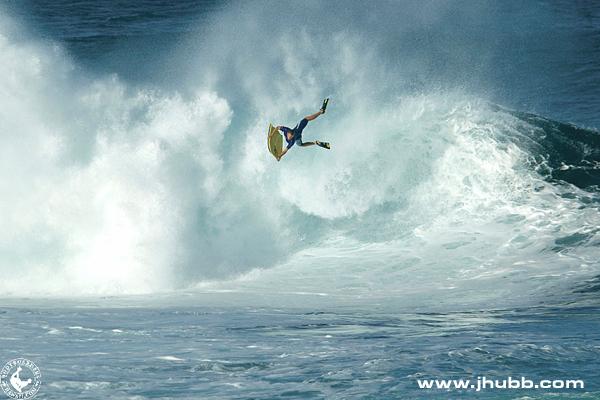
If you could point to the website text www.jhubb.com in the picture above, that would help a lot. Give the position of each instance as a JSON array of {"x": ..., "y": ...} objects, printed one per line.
[{"x": 482, "y": 383}]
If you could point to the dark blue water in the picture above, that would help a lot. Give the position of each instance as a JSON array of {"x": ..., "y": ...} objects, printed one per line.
[
  {"x": 453, "y": 232},
  {"x": 214, "y": 353}
]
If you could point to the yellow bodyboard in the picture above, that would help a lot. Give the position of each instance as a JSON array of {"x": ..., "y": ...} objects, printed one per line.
[{"x": 274, "y": 141}]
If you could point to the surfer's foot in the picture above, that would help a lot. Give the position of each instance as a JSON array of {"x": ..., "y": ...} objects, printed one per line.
[
  {"x": 324, "y": 106},
  {"x": 324, "y": 145}
]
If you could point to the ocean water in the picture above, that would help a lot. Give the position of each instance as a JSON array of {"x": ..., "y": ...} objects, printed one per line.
[{"x": 152, "y": 248}]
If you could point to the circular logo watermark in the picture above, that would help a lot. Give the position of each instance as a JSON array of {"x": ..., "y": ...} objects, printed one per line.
[{"x": 20, "y": 379}]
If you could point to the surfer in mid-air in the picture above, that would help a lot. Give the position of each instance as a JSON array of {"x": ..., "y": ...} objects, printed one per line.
[{"x": 295, "y": 135}]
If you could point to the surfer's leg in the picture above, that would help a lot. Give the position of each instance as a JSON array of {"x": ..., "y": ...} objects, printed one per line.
[
  {"x": 300, "y": 143},
  {"x": 313, "y": 116}
]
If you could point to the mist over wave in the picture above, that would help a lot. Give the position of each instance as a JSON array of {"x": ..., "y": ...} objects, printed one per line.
[{"x": 429, "y": 195}]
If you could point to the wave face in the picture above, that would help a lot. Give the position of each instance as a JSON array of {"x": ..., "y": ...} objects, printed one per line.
[{"x": 430, "y": 195}]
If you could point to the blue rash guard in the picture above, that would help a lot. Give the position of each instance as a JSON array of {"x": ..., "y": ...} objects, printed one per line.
[{"x": 296, "y": 133}]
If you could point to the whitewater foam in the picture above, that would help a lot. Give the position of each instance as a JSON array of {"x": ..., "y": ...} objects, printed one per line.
[{"x": 424, "y": 198}]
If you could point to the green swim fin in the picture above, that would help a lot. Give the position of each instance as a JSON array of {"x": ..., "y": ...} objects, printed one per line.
[
  {"x": 324, "y": 107},
  {"x": 324, "y": 145}
]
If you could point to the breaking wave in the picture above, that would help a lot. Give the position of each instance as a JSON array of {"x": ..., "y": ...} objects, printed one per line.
[{"x": 428, "y": 196}]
